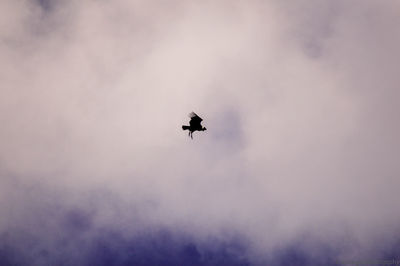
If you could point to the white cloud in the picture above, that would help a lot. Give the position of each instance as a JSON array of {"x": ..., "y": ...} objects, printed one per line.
[{"x": 299, "y": 101}]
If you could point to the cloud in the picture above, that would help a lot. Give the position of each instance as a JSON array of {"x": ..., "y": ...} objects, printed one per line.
[{"x": 299, "y": 100}]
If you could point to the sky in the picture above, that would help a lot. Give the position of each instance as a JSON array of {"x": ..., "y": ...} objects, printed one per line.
[{"x": 299, "y": 164}]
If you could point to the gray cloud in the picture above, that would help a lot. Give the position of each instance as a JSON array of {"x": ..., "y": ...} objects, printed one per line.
[{"x": 299, "y": 100}]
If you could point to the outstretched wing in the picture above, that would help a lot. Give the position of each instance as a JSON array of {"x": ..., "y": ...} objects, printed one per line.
[
  {"x": 195, "y": 120},
  {"x": 195, "y": 117}
]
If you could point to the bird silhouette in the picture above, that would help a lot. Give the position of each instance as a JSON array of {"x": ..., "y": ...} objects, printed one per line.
[{"x": 195, "y": 124}]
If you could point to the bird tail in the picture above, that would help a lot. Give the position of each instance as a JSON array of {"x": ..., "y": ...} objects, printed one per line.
[{"x": 185, "y": 127}]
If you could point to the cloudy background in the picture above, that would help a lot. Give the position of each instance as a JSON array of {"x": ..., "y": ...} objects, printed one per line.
[{"x": 299, "y": 165}]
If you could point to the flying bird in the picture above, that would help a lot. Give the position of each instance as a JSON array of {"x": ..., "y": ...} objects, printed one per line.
[{"x": 195, "y": 124}]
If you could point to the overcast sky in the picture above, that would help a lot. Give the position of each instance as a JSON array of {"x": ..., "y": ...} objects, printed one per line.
[{"x": 299, "y": 164}]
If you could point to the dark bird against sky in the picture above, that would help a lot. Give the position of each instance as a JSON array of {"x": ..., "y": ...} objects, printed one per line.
[
  {"x": 301, "y": 165},
  {"x": 195, "y": 124}
]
